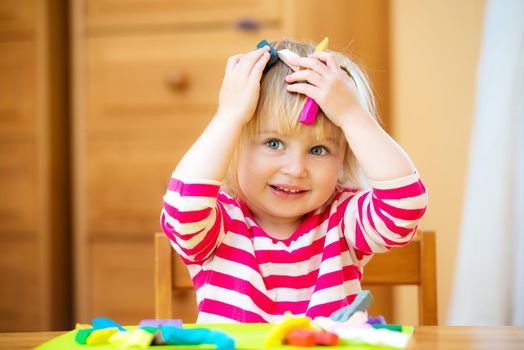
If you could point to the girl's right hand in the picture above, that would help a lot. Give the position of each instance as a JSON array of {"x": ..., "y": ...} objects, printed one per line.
[{"x": 241, "y": 86}]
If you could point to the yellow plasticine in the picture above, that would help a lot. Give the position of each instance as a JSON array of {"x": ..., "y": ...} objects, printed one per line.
[
  {"x": 322, "y": 45},
  {"x": 101, "y": 336},
  {"x": 82, "y": 326},
  {"x": 137, "y": 337},
  {"x": 120, "y": 339},
  {"x": 279, "y": 331}
]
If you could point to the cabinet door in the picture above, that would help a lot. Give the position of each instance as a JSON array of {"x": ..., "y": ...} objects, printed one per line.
[
  {"x": 138, "y": 125},
  {"x": 18, "y": 206},
  {"x": 20, "y": 301},
  {"x": 20, "y": 295},
  {"x": 103, "y": 15},
  {"x": 17, "y": 89},
  {"x": 147, "y": 98},
  {"x": 17, "y": 18}
]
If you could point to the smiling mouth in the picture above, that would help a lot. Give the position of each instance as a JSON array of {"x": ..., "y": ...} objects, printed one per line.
[{"x": 287, "y": 190}]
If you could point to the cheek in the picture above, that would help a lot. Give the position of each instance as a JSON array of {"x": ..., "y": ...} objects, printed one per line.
[
  {"x": 330, "y": 172},
  {"x": 250, "y": 166}
]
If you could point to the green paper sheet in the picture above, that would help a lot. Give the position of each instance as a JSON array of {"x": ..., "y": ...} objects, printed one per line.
[{"x": 247, "y": 337}]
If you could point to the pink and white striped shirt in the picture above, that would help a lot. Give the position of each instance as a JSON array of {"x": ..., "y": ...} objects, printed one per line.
[{"x": 243, "y": 275}]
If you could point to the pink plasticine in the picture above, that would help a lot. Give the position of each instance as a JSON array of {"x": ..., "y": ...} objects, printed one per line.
[{"x": 309, "y": 112}]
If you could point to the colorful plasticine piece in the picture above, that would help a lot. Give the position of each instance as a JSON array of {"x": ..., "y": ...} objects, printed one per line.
[
  {"x": 150, "y": 329},
  {"x": 301, "y": 337},
  {"x": 285, "y": 55},
  {"x": 310, "y": 110},
  {"x": 326, "y": 338},
  {"x": 307, "y": 338},
  {"x": 101, "y": 336},
  {"x": 82, "y": 334},
  {"x": 391, "y": 327},
  {"x": 358, "y": 318},
  {"x": 104, "y": 322},
  {"x": 135, "y": 338},
  {"x": 82, "y": 326},
  {"x": 273, "y": 58},
  {"x": 322, "y": 46},
  {"x": 279, "y": 331},
  {"x": 159, "y": 323},
  {"x": 366, "y": 333},
  {"x": 361, "y": 303},
  {"x": 371, "y": 336},
  {"x": 377, "y": 320},
  {"x": 193, "y": 336}
]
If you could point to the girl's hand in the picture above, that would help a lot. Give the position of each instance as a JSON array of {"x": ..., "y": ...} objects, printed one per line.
[
  {"x": 328, "y": 84},
  {"x": 241, "y": 86}
]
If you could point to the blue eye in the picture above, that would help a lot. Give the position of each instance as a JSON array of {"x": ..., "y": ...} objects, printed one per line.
[
  {"x": 318, "y": 151},
  {"x": 275, "y": 144}
]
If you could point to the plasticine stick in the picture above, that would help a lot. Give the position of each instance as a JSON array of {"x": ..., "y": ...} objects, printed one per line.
[{"x": 309, "y": 112}]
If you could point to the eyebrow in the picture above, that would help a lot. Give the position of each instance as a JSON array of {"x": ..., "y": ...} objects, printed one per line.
[{"x": 275, "y": 132}]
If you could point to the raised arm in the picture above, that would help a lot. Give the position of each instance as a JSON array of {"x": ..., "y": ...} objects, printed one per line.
[
  {"x": 379, "y": 155},
  {"x": 191, "y": 216},
  {"x": 209, "y": 156},
  {"x": 387, "y": 215}
]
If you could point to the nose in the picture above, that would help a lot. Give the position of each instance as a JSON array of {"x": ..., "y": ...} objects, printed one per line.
[{"x": 294, "y": 165}]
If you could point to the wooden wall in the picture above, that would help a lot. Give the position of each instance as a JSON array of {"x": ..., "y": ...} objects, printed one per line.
[{"x": 34, "y": 167}]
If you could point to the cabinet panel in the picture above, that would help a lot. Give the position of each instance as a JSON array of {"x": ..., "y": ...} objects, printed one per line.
[
  {"x": 151, "y": 82},
  {"x": 121, "y": 280},
  {"x": 17, "y": 87},
  {"x": 17, "y": 17},
  {"x": 127, "y": 178},
  {"x": 104, "y": 14},
  {"x": 20, "y": 282},
  {"x": 18, "y": 189}
]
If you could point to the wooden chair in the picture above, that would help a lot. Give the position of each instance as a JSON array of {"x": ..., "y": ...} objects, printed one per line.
[{"x": 410, "y": 265}]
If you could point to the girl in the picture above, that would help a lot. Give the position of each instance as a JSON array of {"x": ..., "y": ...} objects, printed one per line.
[{"x": 270, "y": 215}]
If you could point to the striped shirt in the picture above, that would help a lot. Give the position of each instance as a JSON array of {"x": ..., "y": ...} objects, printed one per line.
[{"x": 241, "y": 274}]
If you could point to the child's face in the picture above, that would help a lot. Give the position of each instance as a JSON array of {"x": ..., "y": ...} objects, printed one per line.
[{"x": 284, "y": 176}]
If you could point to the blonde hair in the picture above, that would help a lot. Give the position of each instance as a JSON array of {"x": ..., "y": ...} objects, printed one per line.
[{"x": 277, "y": 104}]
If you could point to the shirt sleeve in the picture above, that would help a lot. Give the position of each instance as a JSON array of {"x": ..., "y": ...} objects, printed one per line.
[
  {"x": 192, "y": 217},
  {"x": 385, "y": 216}
]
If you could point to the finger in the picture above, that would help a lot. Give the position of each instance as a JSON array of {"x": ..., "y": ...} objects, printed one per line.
[
  {"x": 258, "y": 69},
  {"x": 311, "y": 63},
  {"x": 232, "y": 62},
  {"x": 327, "y": 57},
  {"x": 305, "y": 75},
  {"x": 248, "y": 61},
  {"x": 305, "y": 89}
]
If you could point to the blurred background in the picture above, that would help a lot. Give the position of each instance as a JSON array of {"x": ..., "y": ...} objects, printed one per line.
[{"x": 100, "y": 98}]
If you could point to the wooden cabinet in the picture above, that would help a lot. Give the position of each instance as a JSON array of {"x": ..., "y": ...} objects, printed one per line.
[
  {"x": 146, "y": 81},
  {"x": 108, "y": 15},
  {"x": 34, "y": 247}
]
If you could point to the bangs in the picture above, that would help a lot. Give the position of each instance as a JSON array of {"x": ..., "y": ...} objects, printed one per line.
[{"x": 281, "y": 108}]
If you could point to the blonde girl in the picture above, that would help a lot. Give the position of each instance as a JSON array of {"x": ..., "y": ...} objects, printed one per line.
[{"x": 271, "y": 215}]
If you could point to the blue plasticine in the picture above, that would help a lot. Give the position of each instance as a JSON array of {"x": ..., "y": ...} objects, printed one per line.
[
  {"x": 361, "y": 303},
  {"x": 104, "y": 322},
  {"x": 192, "y": 336},
  {"x": 274, "y": 55}
]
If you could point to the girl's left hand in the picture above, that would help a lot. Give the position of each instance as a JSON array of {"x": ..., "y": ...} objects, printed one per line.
[{"x": 328, "y": 84}]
